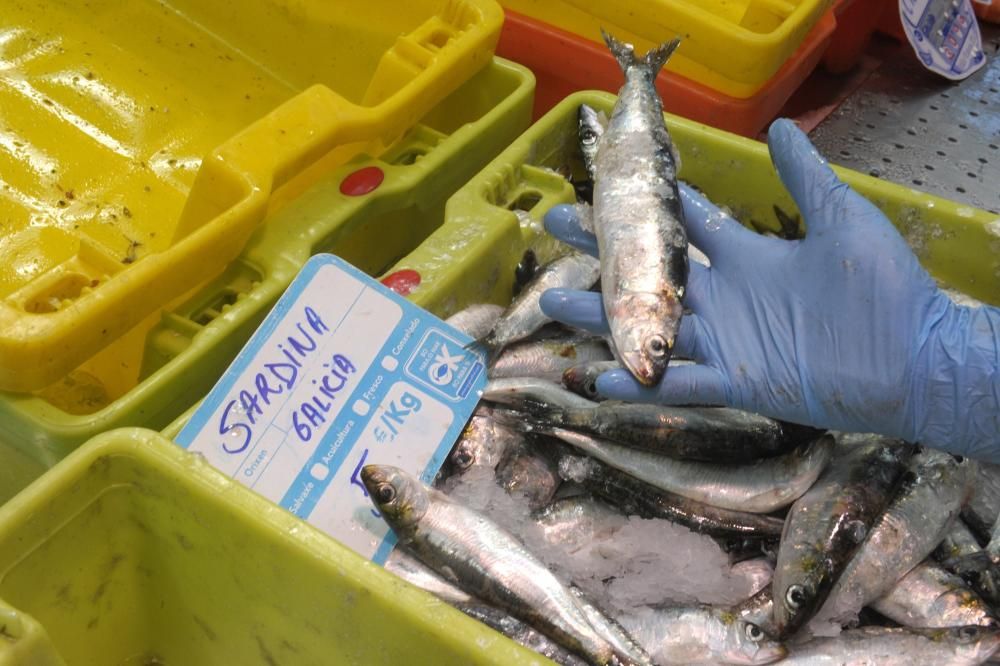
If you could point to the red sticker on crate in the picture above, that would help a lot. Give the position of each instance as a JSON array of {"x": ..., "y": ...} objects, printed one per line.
[
  {"x": 402, "y": 282},
  {"x": 362, "y": 181}
]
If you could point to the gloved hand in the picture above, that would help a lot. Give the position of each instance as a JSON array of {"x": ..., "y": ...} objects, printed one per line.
[{"x": 842, "y": 330}]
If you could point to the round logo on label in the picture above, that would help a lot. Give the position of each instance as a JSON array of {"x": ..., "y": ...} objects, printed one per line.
[{"x": 441, "y": 374}]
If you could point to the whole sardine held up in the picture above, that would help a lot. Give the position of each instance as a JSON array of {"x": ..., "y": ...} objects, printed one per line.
[
  {"x": 639, "y": 220},
  {"x": 929, "y": 498},
  {"x": 700, "y": 635},
  {"x": 485, "y": 560},
  {"x": 524, "y": 315},
  {"x": 825, "y": 527},
  {"x": 930, "y": 596},
  {"x": 883, "y": 646}
]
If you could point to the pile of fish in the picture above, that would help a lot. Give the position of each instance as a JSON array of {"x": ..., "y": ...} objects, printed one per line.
[{"x": 598, "y": 532}]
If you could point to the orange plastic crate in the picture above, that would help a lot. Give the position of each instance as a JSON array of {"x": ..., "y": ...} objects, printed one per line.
[{"x": 564, "y": 63}]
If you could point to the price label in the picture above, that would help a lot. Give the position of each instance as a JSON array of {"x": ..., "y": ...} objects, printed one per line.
[
  {"x": 343, "y": 372},
  {"x": 945, "y": 35}
]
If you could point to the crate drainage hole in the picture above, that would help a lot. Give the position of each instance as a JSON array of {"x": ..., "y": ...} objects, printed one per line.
[{"x": 526, "y": 201}]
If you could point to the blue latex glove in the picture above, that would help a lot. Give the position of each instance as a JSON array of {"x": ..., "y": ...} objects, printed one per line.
[{"x": 842, "y": 330}]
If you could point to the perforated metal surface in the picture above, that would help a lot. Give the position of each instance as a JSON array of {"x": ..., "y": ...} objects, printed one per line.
[{"x": 911, "y": 127}]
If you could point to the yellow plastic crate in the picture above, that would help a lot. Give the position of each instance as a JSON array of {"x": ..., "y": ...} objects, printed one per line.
[
  {"x": 134, "y": 552},
  {"x": 172, "y": 358},
  {"x": 141, "y": 142},
  {"x": 733, "y": 46}
]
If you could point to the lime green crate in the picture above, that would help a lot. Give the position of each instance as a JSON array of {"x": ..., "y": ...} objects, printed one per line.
[
  {"x": 497, "y": 215},
  {"x": 161, "y": 367},
  {"x": 134, "y": 552}
]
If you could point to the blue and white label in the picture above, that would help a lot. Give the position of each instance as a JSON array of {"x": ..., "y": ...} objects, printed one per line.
[
  {"x": 945, "y": 36},
  {"x": 344, "y": 372}
]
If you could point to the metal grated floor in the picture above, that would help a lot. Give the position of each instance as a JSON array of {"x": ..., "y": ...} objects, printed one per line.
[{"x": 912, "y": 127}]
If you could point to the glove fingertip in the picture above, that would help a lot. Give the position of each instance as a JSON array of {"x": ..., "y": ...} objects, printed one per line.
[{"x": 621, "y": 385}]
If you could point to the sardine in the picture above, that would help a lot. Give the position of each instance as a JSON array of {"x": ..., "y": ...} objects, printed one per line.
[
  {"x": 930, "y": 596},
  {"x": 532, "y": 393},
  {"x": 954, "y": 551},
  {"x": 524, "y": 315},
  {"x": 709, "y": 434},
  {"x": 984, "y": 506},
  {"x": 607, "y": 627},
  {"x": 525, "y": 271},
  {"x": 757, "y": 571},
  {"x": 476, "y": 320},
  {"x": 484, "y": 443},
  {"x": 825, "y": 527},
  {"x": 930, "y": 495},
  {"x": 591, "y": 129},
  {"x": 758, "y": 609},
  {"x": 413, "y": 571},
  {"x": 578, "y": 521},
  {"x": 884, "y": 646},
  {"x": 701, "y": 635},
  {"x": 639, "y": 220},
  {"x": 521, "y": 633},
  {"x": 760, "y": 487},
  {"x": 636, "y": 497},
  {"x": 547, "y": 359},
  {"x": 582, "y": 379},
  {"x": 530, "y": 474},
  {"x": 485, "y": 560}
]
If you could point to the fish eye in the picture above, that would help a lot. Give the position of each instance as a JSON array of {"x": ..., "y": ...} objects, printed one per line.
[
  {"x": 385, "y": 493},
  {"x": 969, "y": 633},
  {"x": 591, "y": 388},
  {"x": 656, "y": 346},
  {"x": 462, "y": 459},
  {"x": 753, "y": 632},
  {"x": 795, "y": 597}
]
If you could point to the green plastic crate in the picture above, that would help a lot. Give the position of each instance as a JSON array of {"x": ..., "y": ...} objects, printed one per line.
[
  {"x": 173, "y": 358},
  {"x": 133, "y": 552},
  {"x": 497, "y": 215}
]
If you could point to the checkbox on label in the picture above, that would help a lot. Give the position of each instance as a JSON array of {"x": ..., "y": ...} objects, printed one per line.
[
  {"x": 319, "y": 472},
  {"x": 360, "y": 407},
  {"x": 389, "y": 363}
]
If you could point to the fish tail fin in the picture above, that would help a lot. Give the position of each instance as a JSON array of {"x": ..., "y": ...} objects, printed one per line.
[
  {"x": 488, "y": 342},
  {"x": 657, "y": 57},
  {"x": 623, "y": 53},
  {"x": 653, "y": 61}
]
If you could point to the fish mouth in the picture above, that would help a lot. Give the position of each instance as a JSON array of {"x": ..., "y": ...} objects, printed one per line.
[
  {"x": 372, "y": 476},
  {"x": 646, "y": 371}
]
